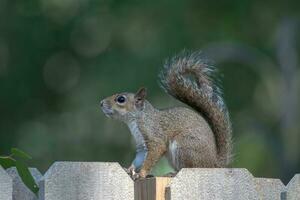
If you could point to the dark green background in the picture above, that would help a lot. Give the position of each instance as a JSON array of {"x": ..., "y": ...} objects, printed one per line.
[{"x": 58, "y": 58}]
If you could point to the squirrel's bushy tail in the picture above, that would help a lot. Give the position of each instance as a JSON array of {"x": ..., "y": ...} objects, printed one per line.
[{"x": 189, "y": 78}]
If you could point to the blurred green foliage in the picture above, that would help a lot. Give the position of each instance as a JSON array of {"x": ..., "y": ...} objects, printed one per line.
[
  {"x": 18, "y": 159},
  {"x": 58, "y": 58}
]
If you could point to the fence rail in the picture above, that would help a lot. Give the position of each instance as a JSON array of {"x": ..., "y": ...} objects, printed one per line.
[{"x": 108, "y": 181}]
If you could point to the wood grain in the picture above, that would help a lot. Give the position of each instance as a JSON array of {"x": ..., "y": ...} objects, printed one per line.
[{"x": 151, "y": 188}]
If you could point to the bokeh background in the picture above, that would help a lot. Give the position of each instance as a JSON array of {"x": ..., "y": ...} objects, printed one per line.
[{"x": 58, "y": 58}]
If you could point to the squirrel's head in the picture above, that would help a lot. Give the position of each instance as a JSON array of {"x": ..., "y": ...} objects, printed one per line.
[{"x": 124, "y": 106}]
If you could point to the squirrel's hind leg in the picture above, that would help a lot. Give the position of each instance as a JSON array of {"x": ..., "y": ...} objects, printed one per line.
[{"x": 191, "y": 152}]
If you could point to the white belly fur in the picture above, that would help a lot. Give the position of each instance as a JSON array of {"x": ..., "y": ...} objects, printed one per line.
[
  {"x": 136, "y": 133},
  {"x": 173, "y": 152}
]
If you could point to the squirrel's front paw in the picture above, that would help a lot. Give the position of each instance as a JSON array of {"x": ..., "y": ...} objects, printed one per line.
[
  {"x": 135, "y": 176},
  {"x": 130, "y": 170},
  {"x": 142, "y": 174}
]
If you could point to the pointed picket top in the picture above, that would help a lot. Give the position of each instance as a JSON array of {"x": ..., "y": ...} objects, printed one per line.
[
  {"x": 85, "y": 181},
  {"x": 269, "y": 188},
  {"x": 20, "y": 191},
  {"x": 6, "y": 187},
  {"x": 212, "y": 183},
  {"x": 293, "y": 188}
]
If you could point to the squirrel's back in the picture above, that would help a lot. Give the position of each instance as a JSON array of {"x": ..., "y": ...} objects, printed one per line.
[{"x": 189, "y": 78}]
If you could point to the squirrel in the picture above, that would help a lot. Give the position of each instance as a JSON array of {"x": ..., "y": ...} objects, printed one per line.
[{"x": 199, "y": 136}]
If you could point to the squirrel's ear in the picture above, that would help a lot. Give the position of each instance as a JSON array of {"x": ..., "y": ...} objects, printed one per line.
[
  {"x": 140, "y": 97},
  {"x": 141, "y": 94}
]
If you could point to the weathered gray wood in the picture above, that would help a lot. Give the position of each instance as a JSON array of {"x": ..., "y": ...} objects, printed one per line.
[
  {"x": 212, "y": 183},
  {"x": 6, "y": 187},
  {"x": 20, "y": 191},
  {"x": 93, "y": 181},
  {"x": 269, "y": 189},
  {"x": 293, "y": 188},
  {"x": 86, "y": 181}
]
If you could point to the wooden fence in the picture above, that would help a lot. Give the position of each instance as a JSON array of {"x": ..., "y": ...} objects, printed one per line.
[{"x": 108, "y": 181}]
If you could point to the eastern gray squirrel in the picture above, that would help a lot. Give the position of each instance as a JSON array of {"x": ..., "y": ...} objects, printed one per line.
[{"x": 198, "y": 137}]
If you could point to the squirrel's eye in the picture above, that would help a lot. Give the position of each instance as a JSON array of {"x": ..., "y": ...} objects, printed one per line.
[{"x": 121, "y": 99}]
